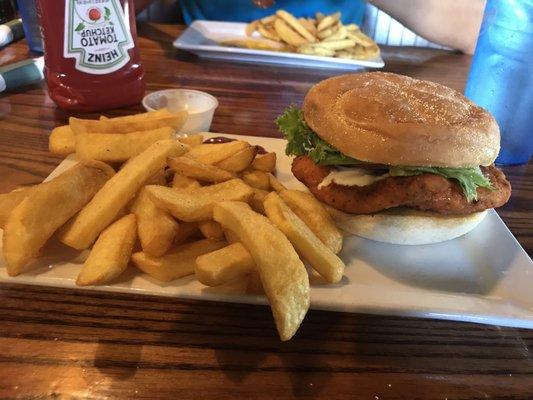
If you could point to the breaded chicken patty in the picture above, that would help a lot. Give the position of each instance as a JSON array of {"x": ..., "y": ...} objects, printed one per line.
[{"x": 427, "y": 192}]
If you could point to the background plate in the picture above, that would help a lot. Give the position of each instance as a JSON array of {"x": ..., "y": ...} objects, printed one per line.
[
  {"x": 203, "y": 37},
  {"x": 484, "y": 276}
]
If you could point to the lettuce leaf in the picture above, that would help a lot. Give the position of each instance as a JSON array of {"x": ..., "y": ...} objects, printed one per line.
[
  {"x": 301, "y": 140},
  {"x": 469, "y": 178}
]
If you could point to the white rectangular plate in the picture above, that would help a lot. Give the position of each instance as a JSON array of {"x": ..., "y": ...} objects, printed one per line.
[
  {"x": 202, "y": 38},
  {"x": 484, "y": 276}
]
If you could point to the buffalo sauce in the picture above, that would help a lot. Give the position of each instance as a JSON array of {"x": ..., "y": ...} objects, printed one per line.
[
  {"x": 218, "y": 139},
  {"x": 91, "y": 56}
]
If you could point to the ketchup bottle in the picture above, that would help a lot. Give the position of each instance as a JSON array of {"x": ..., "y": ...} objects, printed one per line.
[{"x": 91, "y": 56}]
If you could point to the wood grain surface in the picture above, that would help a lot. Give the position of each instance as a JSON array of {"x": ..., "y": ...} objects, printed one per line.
[{"x": 65, "y": 344}]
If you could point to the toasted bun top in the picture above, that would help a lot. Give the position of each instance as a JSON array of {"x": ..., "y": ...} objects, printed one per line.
[{"x": 393, "y": 119}]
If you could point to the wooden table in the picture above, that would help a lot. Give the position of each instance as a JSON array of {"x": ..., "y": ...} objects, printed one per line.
[{"x": 67, "y": 344}]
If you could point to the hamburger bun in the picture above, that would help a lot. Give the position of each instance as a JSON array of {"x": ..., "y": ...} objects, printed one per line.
[
  {"x": 405, "y": 226},
  {"x": 396, "y": 120}
]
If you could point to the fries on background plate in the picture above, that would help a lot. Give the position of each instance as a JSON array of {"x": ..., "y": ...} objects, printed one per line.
[{"x": 324, "y": 35}]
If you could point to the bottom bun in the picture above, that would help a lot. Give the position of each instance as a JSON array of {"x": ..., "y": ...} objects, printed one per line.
[{"x": 405, "y": 226}]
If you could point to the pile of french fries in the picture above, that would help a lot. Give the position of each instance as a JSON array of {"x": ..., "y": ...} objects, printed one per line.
[
  {"x": 173, "y": 208},
  {"x": 324, "y": 35}
]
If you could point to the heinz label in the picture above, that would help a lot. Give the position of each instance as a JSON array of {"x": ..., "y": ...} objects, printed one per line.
[{"x": 97, "y": 35}]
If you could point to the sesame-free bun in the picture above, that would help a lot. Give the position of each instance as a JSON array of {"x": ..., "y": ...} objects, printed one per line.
[
  {"x": 405, "y": 226},
  {"x": 392, "y": 119}
]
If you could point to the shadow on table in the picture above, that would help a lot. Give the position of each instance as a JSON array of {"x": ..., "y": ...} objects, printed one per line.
[
  {"x": 246, "y": 346},
  {"x": 308, "y": 358},
  {"x": 303, "y": 359},
  {"x": 108, "y": 359}
]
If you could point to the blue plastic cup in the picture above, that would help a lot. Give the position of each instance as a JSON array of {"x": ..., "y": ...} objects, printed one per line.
[
  {"x": 32, "y": 27},
  {"x": 501, "y": 75}
]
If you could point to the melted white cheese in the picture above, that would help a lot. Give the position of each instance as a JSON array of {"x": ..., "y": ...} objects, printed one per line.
[{"x": 351, "y": 177}]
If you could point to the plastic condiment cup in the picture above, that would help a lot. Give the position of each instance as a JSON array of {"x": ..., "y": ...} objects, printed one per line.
[{"x": 200, "y": 106}]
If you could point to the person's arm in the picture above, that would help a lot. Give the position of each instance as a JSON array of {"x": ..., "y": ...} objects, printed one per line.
[{"x": 452, "y": 23}]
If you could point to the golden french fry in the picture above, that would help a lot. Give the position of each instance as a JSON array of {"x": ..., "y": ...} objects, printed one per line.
[
  {"x": 257, "y": 179},
  {"x": 224, "y": 265},
  {"x": 338, "y": 44},
  {"x": 372, "y": 51},
  {"x": 340, "y": 34},
  {"x": 192, "y": 168},
  {"x": 127, "y": 125},
  {"x": 156, "y": 228},
  {"x": 255, "y": 44},
  {"x": 319, "y": 17},
  {"x": 352, "y": 50},
  {"x": 257, "y": 201},
  {"x": 268, "y": 32},
  {"x": 358, "y": 52},
  {"x": 119, "y": 146},
  {"x": 212, "y": 153},
  {"x": 239, "y": 161},
  {"x": 162, "y": 112},
  {"x": 250, "y": 28},
  {"x": 283, "y": 274},
  {"x": 316, "y": 49},
  {"x": 9, "y": 201},
  {"x": 178, "y": 262},
  {"x": 295, "y": 24},
  {"x": 287, "y": 34},
  {"x": 191, "y": 140},
  {"x": 309, "y": 25},
  {"x": 159, "y": 178},
  {"x": 275, "y": 184},
  {"x": 230, "y": 236},
  {"x": 315, "y": 215},
  {"x": 265, "y": 162},
  {"x": 365, "y": 53},
  {"x": 47, "y": 207},
  {"x": 110, "y": 254},
  {"x": 360, "y": 38},
  {"x": 268, "y": 19},
  {"x": 186, "y": 232},
  {"x": 352, "y": 27},
  {"x": 103, "y": 209},
  {"x": 321, "y": 258},
  {"x": 197, "y": 204},
  {"x": 343, "y": 54},
  {"x": 322, "y": 35},
  {"x": 62, "y": 141},
  {"x": 211, "y": 230},
  {"x": 180, "y": 181},
  {"x": 328, "y": 21}
]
